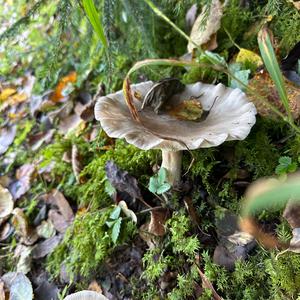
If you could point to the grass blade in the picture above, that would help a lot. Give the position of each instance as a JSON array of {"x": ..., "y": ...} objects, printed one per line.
[
  {"x": 270, "y": 61},
  {"x": 94, "y": 18}
]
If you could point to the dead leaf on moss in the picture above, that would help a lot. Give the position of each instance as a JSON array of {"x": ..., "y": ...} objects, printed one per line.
[
  {"x": 5, "y": 231},
  {"x": 23, "y": 230},
  {"x": 44, "y": 248},
  {"x": 69, "y": 124},
  {"x": 157, "y": 222},
  {"x": 21, "y": 186},
  {"x": 204, "y": 28},
  {"x": 23, "y": 253},
  {"x": 45, "y": 229},
  {"x": 59, "y": 222},
  {"x": 7, "y": 136}
]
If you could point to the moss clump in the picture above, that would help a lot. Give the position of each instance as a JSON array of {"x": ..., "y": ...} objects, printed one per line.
[{"x": 87, "y": 243}]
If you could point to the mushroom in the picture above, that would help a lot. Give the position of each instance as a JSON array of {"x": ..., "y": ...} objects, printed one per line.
[
  {"x": 229, "y": 117},
  {"x": 86, "y": 295}
]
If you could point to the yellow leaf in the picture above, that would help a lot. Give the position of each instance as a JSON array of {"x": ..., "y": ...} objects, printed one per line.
[
  {"x": 6, "y": 93},
  {"x": 190, "y": 110},
  {"x": 246, "y": 55}
]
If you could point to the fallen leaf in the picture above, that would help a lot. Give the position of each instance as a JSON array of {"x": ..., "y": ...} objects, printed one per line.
[
  {"x": 6, "y": 202},
  {"x": 5, "y": 231},
  {"x": 69, "y": 124},
  {"x": 45, "y": 230},
  {"x": 7, "y": 136},
  {"x": 121, "y": 180},
  {"x": 60, "y": 91},
  {"x": 37, "y": 140},
  {"x": 6, "y": 93},
  {"x": 46, "y": 291},
  {"x": 94, "y": 286},
  {"x": 190, "y": 16},
  {"x": 206, "y": 26},
  {"x": 59, "y": 222},
  {"x": 24, "y": 177},
  {"x": 44, "y": 248},
  {"x": 25, "y": 258},
  {"x": 22, "y": 228},
  {"x": 21, "y": 288},
  {"x": 187, "y": 110},
  {"x": 56, "y": 198},
  {"x": 157, "y": 222}
]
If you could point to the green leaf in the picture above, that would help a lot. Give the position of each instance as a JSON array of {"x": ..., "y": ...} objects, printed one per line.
[
  {"x": 162, "y": 176},
  {"x": 116, "y": 230},
  {"x": 163, "y": 188},
  {"x": 94, "y": 18},
  {"x": 270, "y": 61},
  {"x": 109, "y": 189},
  {"x": 110, "y": 223},
  {"x": 285, "y": 160},
  {"x": 153, "y": 184},
  {"x": 115, "y": 213},
  {"x": 242, "y": 75}
]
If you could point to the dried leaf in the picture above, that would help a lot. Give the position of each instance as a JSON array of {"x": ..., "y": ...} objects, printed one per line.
[
  {"x": 59, "y": 222},
  {"x": 121, "y": 180},
  {"x": 191, "y": 110},
  {"x": 94, "y": 286},
  {"x": 6, "y": 202},
  {"x": 22, "y": 228},
  {"x": 25, "y": 258},
  {"x": 157, "y": 222},
  {"x": 6, "y": 93},
  {"x": 206, "y": 26},
  {"x": 5, "y": 231},
  {"x": 44, "y": 248},
  {"x": 69, "y": 124},
  {"x": 7, "y": 136},
  {"x": 58, "y": 199},
  {"x": 60, "y": 91},
  {"x": 45, "y": 230},
  {"x": 24, "y": 177}
]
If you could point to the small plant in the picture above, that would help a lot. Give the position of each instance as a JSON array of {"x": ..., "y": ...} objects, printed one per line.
[
  {"x": 158, "y": 183},
  {"x": 114, "y": 223},
  {"x": 285, "y": 166}
]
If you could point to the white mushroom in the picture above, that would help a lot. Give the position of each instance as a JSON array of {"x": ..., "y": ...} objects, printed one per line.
[
  {"x": 86, "y": 295},
  {"x": 230, "y": 117}
]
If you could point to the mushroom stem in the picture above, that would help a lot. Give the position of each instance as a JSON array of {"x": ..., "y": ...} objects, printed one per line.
[{"x": 171, "y": 161}]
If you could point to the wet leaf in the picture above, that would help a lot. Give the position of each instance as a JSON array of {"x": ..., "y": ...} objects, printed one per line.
[
  {"x": 44, "y": 248},
  {"x": 6, "y": 202},
  {"x": 21, "y": 288},
  {"x": 121, "y": 180},
  {"x": 187, "y": 110},
  {"x": 7, "y": 136}
]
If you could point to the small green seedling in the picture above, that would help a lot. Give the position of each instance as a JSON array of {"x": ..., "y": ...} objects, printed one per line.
[
  {"x": 114, "y": 222},
  {"x": 286, "y": 165},
  {"x": 158, "y": 183}
]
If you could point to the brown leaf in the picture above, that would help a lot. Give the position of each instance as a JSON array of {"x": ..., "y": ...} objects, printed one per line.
[
  {"x": 59, "y": 222},
  {"x": 24, "y": 177},
  {"x": 6, "y": 202},
  {"x": 5, "y": 231},
  {"x": 69, "y": 124},
  {"x": 157, "y": 222},
  {"x": 94, "y": 286},
  {"x": 44, "y": 248},
  {"x": 187, "y": 110},
  {"x": 58, "y": 199}
]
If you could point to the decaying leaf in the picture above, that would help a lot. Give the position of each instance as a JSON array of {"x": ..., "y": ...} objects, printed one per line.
[
  {"x": 205, "y": 27},
  {"x": 46, "y": 291},
  {"x": 58, "y": 199},
  {"x": 24, "y": 177},
  {"x": 121, "y": 180},
  {"x": 157, "y": 222},
  {"x": 6, "y": 202},
  {"x": 59, "y": 222},
  {"x": 6, "y": 93},
  {"x": 61, "y": 89},
  {"x": 187, "y": 110},
  {"x": 7, "y": 136},
  {"x": 45, "y": 229},
  {"x": 86, "y": 295},
  {"x": 76, "y": 163},
  {"x": 69, "y": 124},
  {"x": 44, "y": 248},
  {"x": 5, "y": 231},
  {"x": 25, "y": 258},
  {"x": 22, "y": 228},
  {"x": 94, "y": 286}
]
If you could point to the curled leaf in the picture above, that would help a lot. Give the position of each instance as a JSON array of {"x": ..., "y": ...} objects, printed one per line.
[{"x": 6, "y": 202}]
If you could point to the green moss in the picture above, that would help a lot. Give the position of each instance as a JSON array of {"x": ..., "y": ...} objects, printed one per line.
[{"x": 87, "y": 243}]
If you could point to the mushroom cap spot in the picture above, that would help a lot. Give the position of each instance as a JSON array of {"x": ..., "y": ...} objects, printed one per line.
[{"x": 230, "y": 117}]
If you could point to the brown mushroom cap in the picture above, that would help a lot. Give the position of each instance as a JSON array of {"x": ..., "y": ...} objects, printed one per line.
[{"x": 231, "y": 117}]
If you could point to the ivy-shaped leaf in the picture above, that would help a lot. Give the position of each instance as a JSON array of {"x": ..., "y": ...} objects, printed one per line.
[
  {"x": 158, "y": 183},
  {"x": 115, "y": 213}
]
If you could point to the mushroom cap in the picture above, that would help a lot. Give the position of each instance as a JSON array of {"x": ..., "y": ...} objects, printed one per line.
[
  {"x": 230, "y": 117},
  {"x": 86, "y": 295}
]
